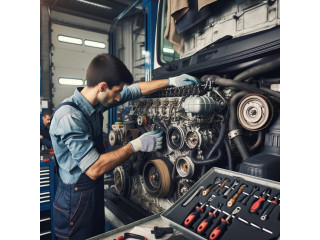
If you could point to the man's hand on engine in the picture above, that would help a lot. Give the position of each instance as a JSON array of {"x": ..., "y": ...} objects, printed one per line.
[
  {"x": 148, "y": 142},
  {"x": 183, "y": 80}
]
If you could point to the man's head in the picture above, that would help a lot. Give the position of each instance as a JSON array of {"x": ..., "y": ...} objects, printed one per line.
[
  {"x": 46, "y": 118},
  {"x": 108, "y": 74}
]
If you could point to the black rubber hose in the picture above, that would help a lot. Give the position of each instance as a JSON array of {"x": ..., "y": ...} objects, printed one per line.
[
  {"x": 219, "y": 140},
  {"x": 239, "y": 85},
  {"x": 257, "y": 70},
  {"x": 193, "y": 157},
  {"x": 258, "y": 142},
  {"x": 238, "y": 140},
  {"x": 229, "y": 154},
  {"x": 270, "y": 92}
]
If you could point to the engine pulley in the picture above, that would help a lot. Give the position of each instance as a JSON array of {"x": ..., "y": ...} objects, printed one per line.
[
  {"x": 183, "y": 186},
  {"x": 122, "y": 181},
  {"x": 193, "y": 139},
  {"x": 185, "y": 166},
  {"x": 255, "y": 112},
  {"x": 115, "y": 138},
  {"x": 176, "y": 137},
  {"x": 157, "y": 178}
]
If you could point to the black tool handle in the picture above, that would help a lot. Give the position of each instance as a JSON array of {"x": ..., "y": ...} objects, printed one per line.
[{"x": 268, "y": 211}]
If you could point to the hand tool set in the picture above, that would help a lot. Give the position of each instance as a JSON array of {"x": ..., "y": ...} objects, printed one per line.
[{"x": 228, "y": 205}]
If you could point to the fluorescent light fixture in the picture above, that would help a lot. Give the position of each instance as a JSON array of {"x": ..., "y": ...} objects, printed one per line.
[
  {"x": 68, "y": 39},
  {"x": 70, "y": 81},
  {"x": 95, "y": 44},
  {"x": 95, "y": 4},
  {"x": 168, "y": 50}
]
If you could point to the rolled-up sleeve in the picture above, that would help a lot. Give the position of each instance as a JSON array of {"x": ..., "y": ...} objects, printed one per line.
[
  {"x": 76, "y": 135},
  {"x": 128, "y": 93}
]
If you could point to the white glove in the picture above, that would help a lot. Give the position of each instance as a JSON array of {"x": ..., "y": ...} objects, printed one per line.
[
  {"x": 148, "y": 142},
  {"x": 182, "y": 80}
]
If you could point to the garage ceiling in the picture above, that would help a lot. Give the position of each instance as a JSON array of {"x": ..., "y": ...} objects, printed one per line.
[{"x": 100, "y": 10}]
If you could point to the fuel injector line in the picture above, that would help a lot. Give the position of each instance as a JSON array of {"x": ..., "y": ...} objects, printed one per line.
[{"x": 259, "y": 69}]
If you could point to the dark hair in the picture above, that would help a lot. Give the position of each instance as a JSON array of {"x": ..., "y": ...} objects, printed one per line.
[
  {"x": 47, "y": 112},
  {"x": 109, "y": 69}
]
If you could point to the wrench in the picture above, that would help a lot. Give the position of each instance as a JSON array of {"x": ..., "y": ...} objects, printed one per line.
[
  {"x": 246, "y": 199},
  {"x": 206, "y": 192},
  {"x": 222, "y": 185},
  {"x": 235, "y": 183},
  {"x": 192, "y": 196}
]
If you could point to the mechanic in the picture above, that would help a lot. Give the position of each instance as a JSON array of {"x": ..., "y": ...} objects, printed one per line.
[
  {"x": 76, "y": 134},
  {"x": 45, "y": 139}
]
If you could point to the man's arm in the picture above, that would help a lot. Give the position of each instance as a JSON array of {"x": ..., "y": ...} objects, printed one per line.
[
  {"x": 108, "y": 161},
  {"x": 150, "y": 87}
]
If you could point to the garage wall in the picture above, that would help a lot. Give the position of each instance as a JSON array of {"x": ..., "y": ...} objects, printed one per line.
[{"x": 86, "y": 26}]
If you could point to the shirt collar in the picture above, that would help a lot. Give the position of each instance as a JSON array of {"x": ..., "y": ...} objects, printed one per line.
[{"x": 84, "y": 104}]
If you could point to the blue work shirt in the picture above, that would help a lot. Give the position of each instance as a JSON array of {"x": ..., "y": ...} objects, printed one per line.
[{"x": 71, "y": 135}]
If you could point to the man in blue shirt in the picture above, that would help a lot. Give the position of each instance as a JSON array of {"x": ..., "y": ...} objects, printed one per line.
[
  {"x": 76, "y": 134},
  {"x": 44, "y": 130}
]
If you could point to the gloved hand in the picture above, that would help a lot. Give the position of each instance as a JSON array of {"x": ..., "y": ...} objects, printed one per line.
[
  {"x": 183, "y": 80},
  {"x": 148, "y": 142}
]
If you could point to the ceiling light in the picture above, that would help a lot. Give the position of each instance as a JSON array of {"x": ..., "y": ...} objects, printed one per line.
[{"x": 95, "y": 4}]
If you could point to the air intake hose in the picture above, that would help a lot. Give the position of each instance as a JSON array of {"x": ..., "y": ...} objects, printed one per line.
[{"x": 257, "y": 70}]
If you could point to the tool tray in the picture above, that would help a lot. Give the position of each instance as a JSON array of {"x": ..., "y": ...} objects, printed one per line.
[{"x": 243, "y": 225}]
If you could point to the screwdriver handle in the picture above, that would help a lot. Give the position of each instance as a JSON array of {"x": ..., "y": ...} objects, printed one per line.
[
  {"x": 204, "y": 224},
  {"x": 192, "y": 216},
  {"x": 257, "y": 204},
  {"x": 219, "y": 230},
  {"x": 234, "y": 198}
]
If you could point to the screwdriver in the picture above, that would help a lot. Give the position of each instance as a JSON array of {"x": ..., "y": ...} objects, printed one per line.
[
  {"x": 269, "y": 209},
  {"x": 204, "y": 224},
  {"x": 194, "y": 215},
  {"x": 258, "y": 204},
  {"x": 223, "y": 225}
]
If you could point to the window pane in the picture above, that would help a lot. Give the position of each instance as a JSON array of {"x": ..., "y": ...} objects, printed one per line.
[
  {"x": 68, "y": 39},
  {"x": 90, "y": 43},
  {"x": 70, "y": 81}
]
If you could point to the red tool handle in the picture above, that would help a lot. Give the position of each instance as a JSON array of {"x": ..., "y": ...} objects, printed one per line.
[
  {"x": 215, "y": 234},
  {"x": 257, "y": 204},
  {"x": 204, "y": 224},
  {"x": 192, "y": 216}
]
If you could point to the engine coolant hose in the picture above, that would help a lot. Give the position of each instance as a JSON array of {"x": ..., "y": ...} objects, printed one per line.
[
  {"x": 219, "y": 140},
  {"x": 238, "y": 140},
  {"x": 229, "y": 154},
  {"x": 257, "y": 70}
]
